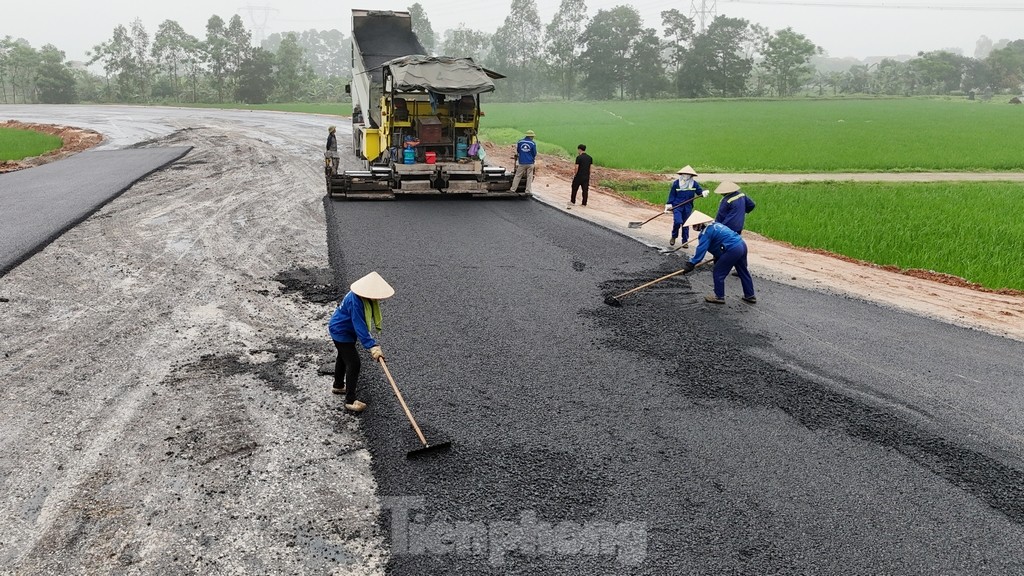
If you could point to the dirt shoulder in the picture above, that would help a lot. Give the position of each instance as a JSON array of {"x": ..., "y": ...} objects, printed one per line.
[{"x": 934, "y": 295}]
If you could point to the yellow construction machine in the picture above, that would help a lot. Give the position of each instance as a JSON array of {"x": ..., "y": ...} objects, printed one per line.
[{"x": 415, "y": 118}]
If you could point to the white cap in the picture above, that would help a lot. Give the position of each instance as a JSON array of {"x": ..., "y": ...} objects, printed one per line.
[{"x": 698, "y": 217}]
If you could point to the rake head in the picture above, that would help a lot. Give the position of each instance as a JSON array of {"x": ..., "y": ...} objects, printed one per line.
[{"x": 613, "y": 301}]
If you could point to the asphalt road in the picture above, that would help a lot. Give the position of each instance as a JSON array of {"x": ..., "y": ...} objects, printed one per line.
[
  {"x": 808, "y": 434},
  {"x": 38, "y": 205}
]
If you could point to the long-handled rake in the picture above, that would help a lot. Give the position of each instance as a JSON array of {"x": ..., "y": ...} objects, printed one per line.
[
  {"x": 427, "y": 447},
  {"x": 615, "y": 300},
  {"x": 640, "y": 224}
]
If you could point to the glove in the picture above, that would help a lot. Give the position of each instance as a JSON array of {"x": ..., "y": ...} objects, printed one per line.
[
  {"x": 688, "y": 267},
  {"x": 704, "y": 193},
  {"x": 668, "y": 208},
  {"x": 376, "y": 353}
]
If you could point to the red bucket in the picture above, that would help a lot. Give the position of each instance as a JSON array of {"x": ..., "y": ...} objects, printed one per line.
[{"x": 431, "y": 157}]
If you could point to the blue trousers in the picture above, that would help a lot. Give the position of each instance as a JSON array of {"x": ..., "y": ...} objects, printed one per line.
[
  {"x": 735, "y": 257},
  {"x": 679, "y": 215}
]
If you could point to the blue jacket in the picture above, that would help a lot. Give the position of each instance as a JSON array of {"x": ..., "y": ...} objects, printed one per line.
[
  {"x": 527, "y": 150},
  {"x": 349, "y": 322},
  {"x": 677, "y": 194},
  {"x": 732, "y": 210},
  {"x": 717, "y": 238}
]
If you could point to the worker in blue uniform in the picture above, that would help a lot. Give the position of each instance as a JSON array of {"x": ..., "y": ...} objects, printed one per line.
[
  {"x": 356, "y": 313},
  {"x": 734, "y": 207},
  {"x": 728, "y": 250},
  {"x": 526, "y": 159},
  {"x": 681, "y": 193}
]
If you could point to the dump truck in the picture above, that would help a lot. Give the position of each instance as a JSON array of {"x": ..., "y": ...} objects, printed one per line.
[{"x": 415, "y": 118}]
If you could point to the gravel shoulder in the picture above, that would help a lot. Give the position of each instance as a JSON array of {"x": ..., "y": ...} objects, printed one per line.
[{"x": 162, "y": 411}]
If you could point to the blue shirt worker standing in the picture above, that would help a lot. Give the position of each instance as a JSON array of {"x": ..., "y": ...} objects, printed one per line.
[
  {"x": 352, "y": 319},
  {"x": 683, "y": 189},
  {"x": 729, "y": 251},
  {"x": 734, "y": 207},
  {"x": 526, "y": 157}
]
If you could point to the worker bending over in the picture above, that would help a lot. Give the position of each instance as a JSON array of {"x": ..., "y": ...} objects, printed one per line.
[
  {"x": 358, "y": 311},
  {"x": 728, "y": 250}
]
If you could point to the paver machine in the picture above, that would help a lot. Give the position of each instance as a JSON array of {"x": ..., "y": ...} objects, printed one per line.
[{"x": 415, "y": 118}]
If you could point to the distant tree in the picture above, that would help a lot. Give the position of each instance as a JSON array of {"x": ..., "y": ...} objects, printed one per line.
[
  {"x": 563, "y": 44},
  {"x": 606, "y": 62},
  {"x": 516, "y": 46},
  {"x": 718, "y": 64},
  {"x": 462, "y": 42},
  {"x": 141, "y": 67},
  {"x": 118, "y": 64},
  {"x": 6, "y": 44},
  {"x": 787, "y": 56},
  {"x": 1007, "y": 66},
  {"x": 171, "y": 48},
  {"x": 939, "y": 72},
  {"x": 255, "y": 77},
  {"x": 216, "y": 47},
  {"x": 421, "y": 27},
  {"x": 679, "y": 32},
  {"x": 239, "y": 43},
  {"x": 292, "y": 70},
  {"x": 647, "y": 77},
  {"x": 22, "y": 64},
  {"x": 326, "y": 51},
  {"x": 54, "y": 80},
  {"x": 983, "y": 47}
]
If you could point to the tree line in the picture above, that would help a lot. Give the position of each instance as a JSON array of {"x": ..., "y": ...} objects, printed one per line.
[{"x": 610, "y": 55}]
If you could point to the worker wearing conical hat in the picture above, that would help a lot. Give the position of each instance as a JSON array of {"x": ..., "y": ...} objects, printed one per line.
[
  {"x": 729, "y": 251},
  {"x": 356, "y": 314},
  {"x": 681, "y": 194},
  {"x": 734, "y": 207}
]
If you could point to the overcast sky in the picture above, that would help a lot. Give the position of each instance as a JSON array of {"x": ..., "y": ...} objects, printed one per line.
[{"x": 75, "y": 26}]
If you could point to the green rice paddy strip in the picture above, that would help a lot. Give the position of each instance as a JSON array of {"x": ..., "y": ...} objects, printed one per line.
[
  {"x": 971, "y": 230},
  {"x": 778, "y": 136},
  {"x": 17, "y": 144}
]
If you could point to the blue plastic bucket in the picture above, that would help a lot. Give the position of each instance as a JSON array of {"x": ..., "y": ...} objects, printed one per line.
[
  {"x": 409, "y": 155},
  {"x": 462, "y": 150}
]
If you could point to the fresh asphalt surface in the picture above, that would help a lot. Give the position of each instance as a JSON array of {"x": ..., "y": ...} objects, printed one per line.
[
  {"x": 809, "y": 434},
  {"x": 38, "y": 205}
]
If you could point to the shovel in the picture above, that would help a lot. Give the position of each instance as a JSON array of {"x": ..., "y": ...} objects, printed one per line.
[
  {"x": 427, "y": 447},
  {"x": 614, "y": 300},
  {"x": 640, "y": 224}
]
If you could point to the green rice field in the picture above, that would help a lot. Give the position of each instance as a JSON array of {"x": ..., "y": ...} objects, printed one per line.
[
  {"x": 17, "y": 144},
  {"x": 971, "y": 230},
  {"x": 793, "y": 136}
]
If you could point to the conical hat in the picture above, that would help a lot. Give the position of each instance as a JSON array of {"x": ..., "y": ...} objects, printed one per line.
[
  {"x": 372, "y": 286},
  {"x": 688, "y": 170},
  {"x": 727, "y": 188},
  {"x": 698, "y": 217}
]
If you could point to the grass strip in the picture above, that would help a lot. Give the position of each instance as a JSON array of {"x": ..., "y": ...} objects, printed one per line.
[
  {"x": 17, "y": 144},
  {"x": 970, "y": 230}
]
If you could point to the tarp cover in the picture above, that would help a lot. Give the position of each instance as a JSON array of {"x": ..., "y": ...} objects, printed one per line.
[{"x": 440, "y": 74}]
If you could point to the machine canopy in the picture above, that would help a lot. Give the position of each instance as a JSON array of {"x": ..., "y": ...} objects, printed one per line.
[{"x": 441, "y": 75}]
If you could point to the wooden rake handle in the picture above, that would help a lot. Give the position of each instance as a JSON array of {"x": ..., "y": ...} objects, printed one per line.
[
  {"x": 673, "y": 208},
  {"x": 401, "y": 401},
  {"x": 655, "y": 281}
]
